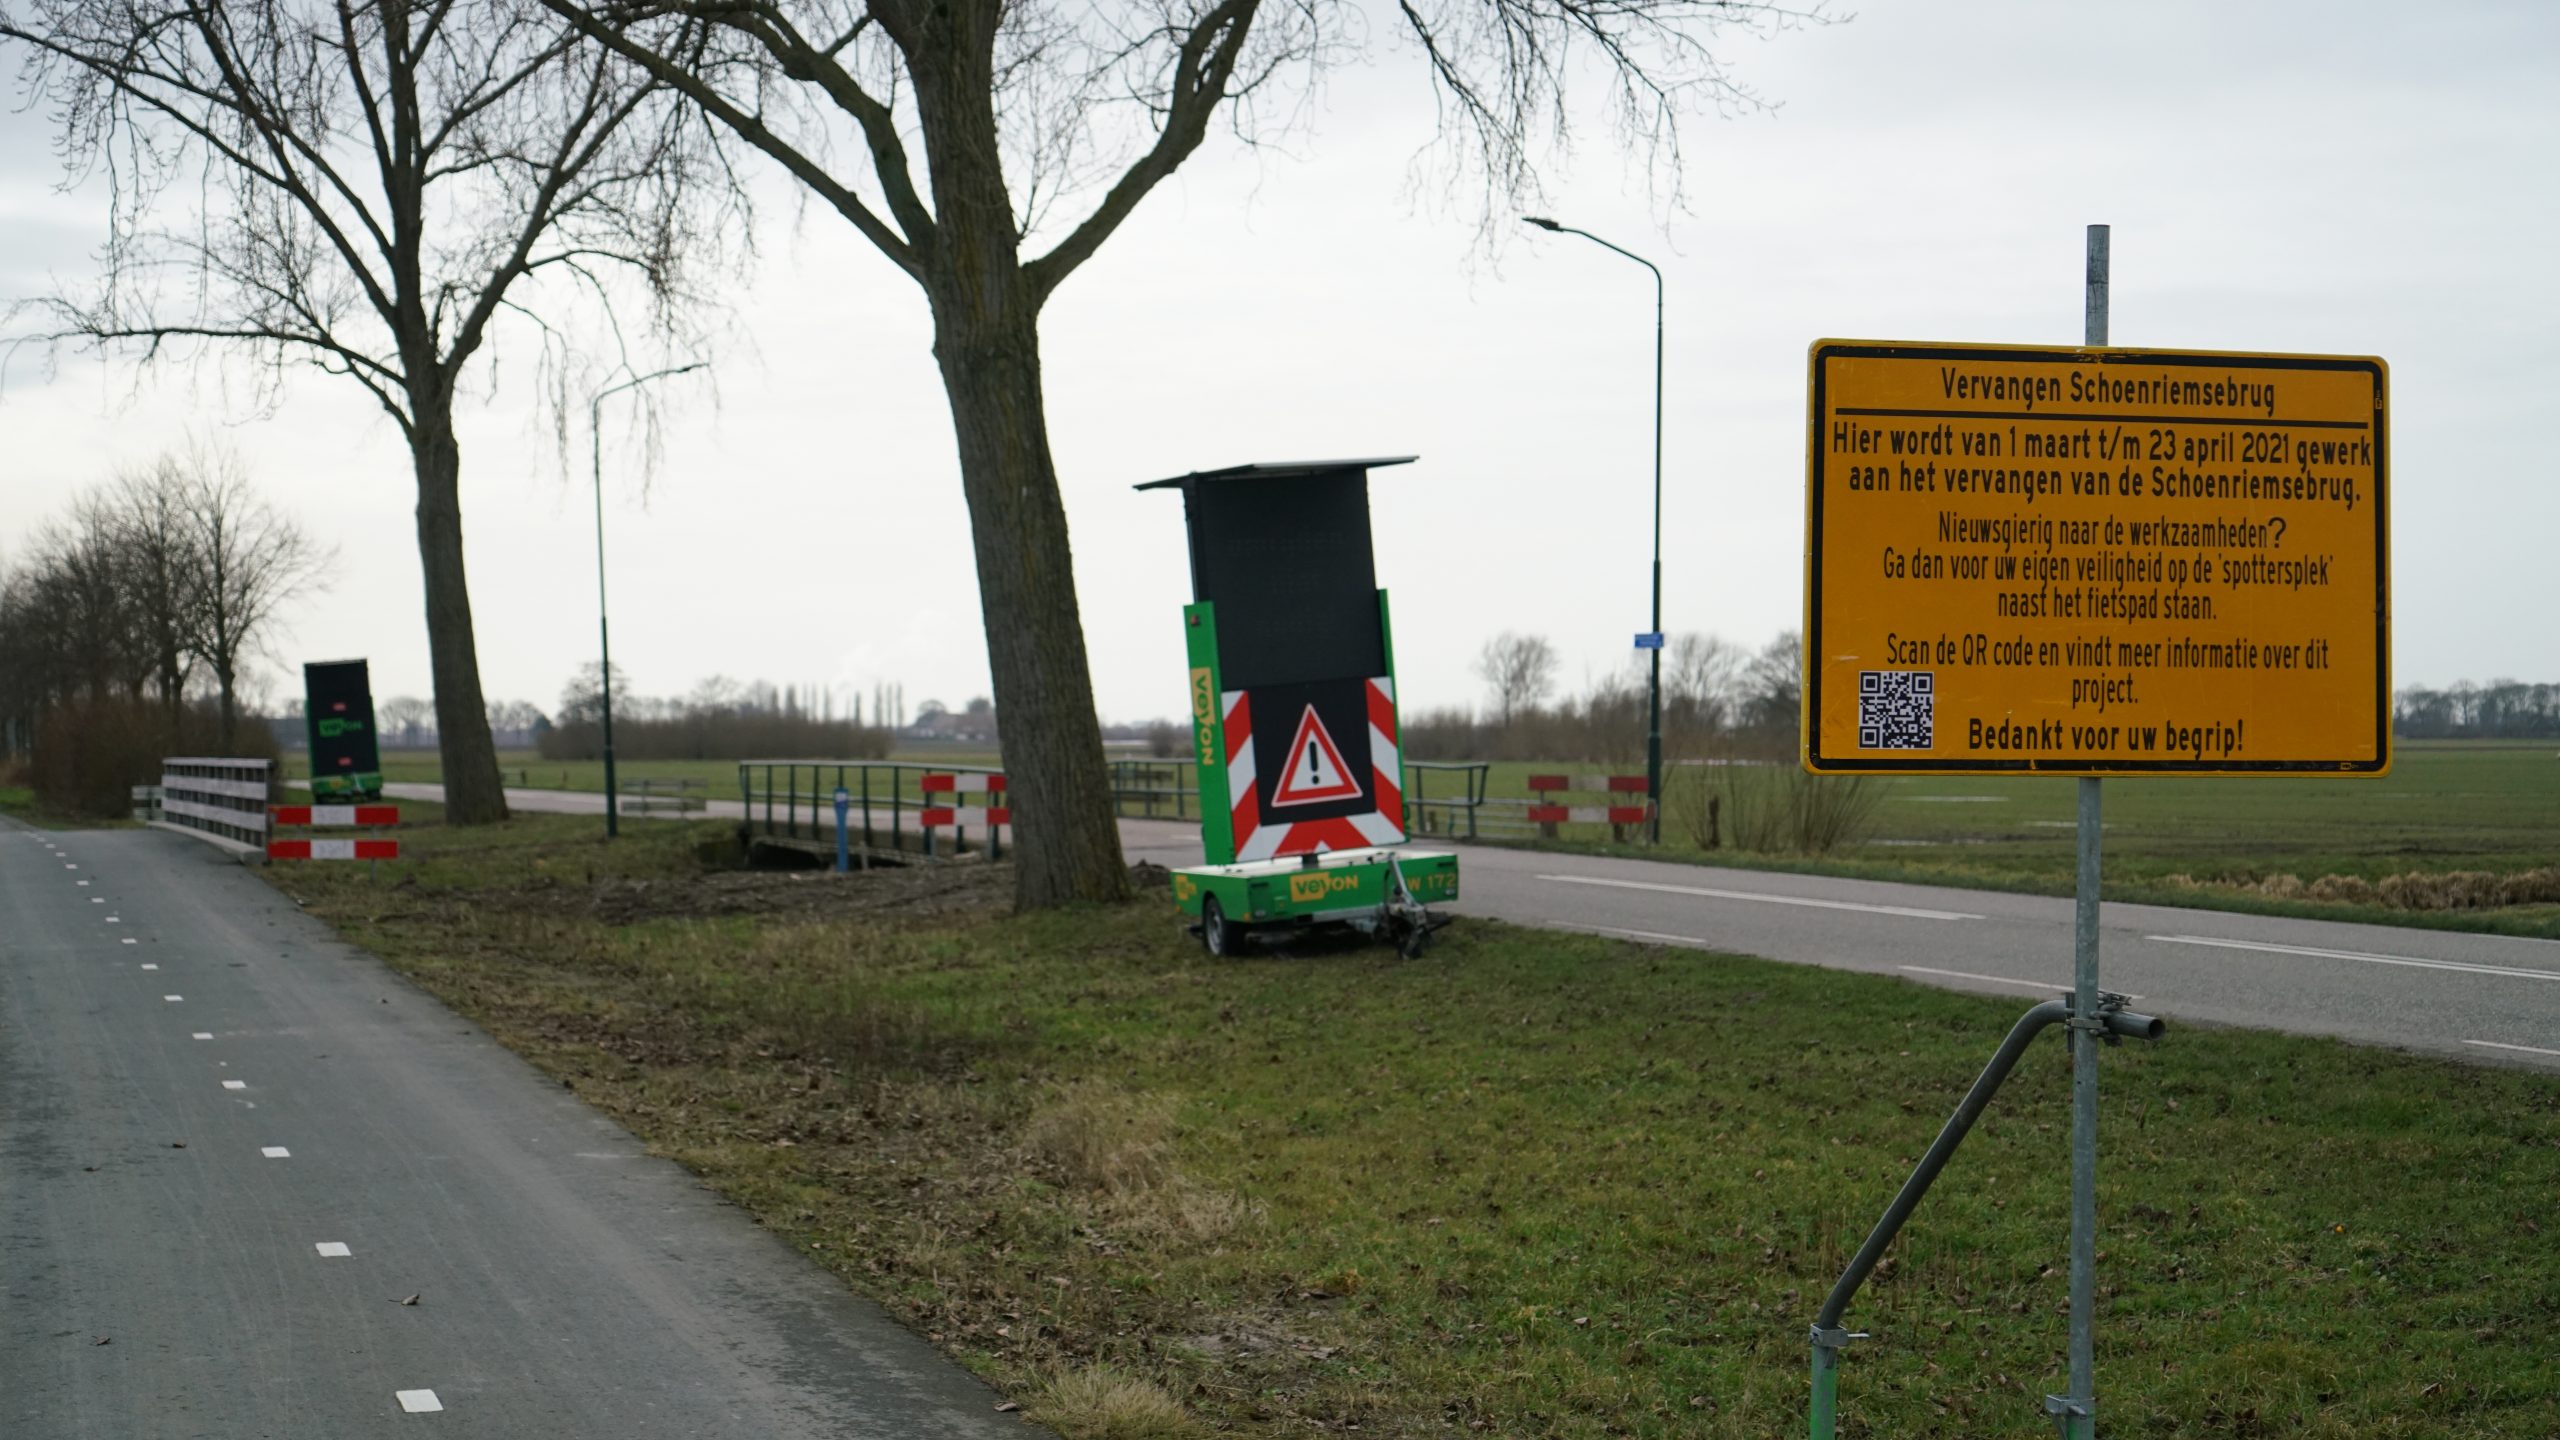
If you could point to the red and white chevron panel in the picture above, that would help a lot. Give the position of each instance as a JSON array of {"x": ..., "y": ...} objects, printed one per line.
[
  {"x": 333, "y": 849},
  {"x": 335, "y": 814},
  {"x": 962, "y": 784},
  {"x": 1255, "y": 840}
]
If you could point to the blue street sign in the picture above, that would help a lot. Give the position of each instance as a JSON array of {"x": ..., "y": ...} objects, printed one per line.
[{"x": 1651, "y": 641}]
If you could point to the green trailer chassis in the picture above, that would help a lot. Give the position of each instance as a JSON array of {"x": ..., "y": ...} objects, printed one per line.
[{"x": 1382, "y": 892}]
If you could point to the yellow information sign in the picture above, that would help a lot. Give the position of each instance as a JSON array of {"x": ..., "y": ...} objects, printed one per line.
[{"x": 2096, "y": 561}]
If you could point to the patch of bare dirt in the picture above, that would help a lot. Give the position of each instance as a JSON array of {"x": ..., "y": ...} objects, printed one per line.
[{"x": 920, "y": 890}]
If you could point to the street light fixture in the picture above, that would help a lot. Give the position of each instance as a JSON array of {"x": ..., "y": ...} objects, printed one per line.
[
  {"x": 1653, "y": 690},
  {"x": 604, "y": 627}
]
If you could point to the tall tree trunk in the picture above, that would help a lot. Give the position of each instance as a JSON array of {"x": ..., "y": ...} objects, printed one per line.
[
  {"x": 1068, "y": 841},
  {"x": 227, "y": 680},
  {"x": 986, "y": 337},
  {"x": 473, "y": 792}
]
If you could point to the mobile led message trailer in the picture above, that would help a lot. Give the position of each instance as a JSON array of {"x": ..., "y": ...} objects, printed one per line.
[
  {"x": 2096, "y": 561},
  {"x": 1293, "y": 711},
  {"x": 337, "y": 711}
]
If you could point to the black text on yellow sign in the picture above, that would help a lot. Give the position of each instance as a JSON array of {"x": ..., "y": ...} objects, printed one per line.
[{"x": 2096, "y": 562}]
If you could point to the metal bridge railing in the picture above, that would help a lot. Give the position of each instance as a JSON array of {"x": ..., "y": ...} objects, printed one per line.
[
  {"x": 1441, "y": 797},
  {"x": 1156, "y": 787},
  {"x": 887, "y": 800},
  {"x": 224, "y": 798}
]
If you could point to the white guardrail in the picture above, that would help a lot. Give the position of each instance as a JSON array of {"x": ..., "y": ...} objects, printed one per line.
[{"x": 226, "y": 799}]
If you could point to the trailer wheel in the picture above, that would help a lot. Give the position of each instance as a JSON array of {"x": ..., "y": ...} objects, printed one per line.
[
  {"x": 1415, "y": 939},
  {"x": 1215, "y": 933}
]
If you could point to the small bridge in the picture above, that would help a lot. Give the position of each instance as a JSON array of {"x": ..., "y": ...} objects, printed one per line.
[{"x": 896, "y": 812}]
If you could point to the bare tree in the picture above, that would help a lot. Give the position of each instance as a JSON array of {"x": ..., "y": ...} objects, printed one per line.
[
  {"x": 1773, "y": 689},
  {"x": 250, "y": 562},
  {"x": 164, "y": 584},
  {"x": 1518, "y": 670},
  {"x": 1043, "y": 124},
  {"x": 1705, "y": 671},
  {"x": 373, "y": 188},
  {"x": 405, "y": 714}
]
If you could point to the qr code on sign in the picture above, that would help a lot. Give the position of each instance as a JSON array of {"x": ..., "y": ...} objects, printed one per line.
[{"x": 1897, "y": 709}]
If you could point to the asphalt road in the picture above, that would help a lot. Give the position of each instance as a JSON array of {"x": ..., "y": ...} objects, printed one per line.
[
  {"x": 2484, "y": 998},
  {"x": 231, "y": 1146}
]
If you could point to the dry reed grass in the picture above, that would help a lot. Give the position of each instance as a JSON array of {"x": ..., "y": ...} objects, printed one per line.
[{"x": 1100, "y": 1403}]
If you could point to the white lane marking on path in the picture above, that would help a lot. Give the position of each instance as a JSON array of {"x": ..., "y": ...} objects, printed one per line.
[
  {"x": 334, "y": 1249},
  {"x": 79, "y": 882},
  {"x": 2458, "y": 966},
  {"x": 147, "y": 965},
  {"x": 2496, "y": 1045},
  {"x": 173, "y": 999},
  {"x": 129, "y": 940},
  {"x": 112, "y": 920},
  {"x": 2047, "y": 987},
  {"x": 1906, "y": 911},
  {"x": 95, "y": 899},
  {"x": 204, "y": 1034},
  {"x": 275, "y": 1152},
  {"x": 418, "y": 1402},
  {"x": 235, "y": 1084}
]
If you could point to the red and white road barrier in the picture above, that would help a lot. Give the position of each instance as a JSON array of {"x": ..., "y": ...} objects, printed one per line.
[
  {"x": 337, "y": 815},
  {"x": 334, "y": 816},
  {"x": 1545, "y": 811},
  {"x": 333, "y": 849},
  {"x": 950, "y": 816}
]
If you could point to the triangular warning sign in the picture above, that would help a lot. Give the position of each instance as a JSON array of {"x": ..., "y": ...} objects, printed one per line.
[{"x": 1315, "y": 771}]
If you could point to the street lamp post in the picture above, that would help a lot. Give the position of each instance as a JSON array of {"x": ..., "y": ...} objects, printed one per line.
[
  {"x": 1653, "y": 686},
  {"x": 604, "y": 626}
]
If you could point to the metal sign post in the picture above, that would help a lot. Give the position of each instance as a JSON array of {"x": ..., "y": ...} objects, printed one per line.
[{"x": 2077, "y": 1412}]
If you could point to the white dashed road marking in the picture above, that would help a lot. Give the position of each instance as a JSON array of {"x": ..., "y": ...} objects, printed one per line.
[
  {"x": 204, "y": 1034},
  {"x": 129, "y": 940},
  {"x": 2410, "y": 962},
  {"x": 147, "y": 965},
  {"x": 275, "y": 1152},
  {"x": 173, "y": 999},
  {"x": 418, "y": 1402},
  {"x": 235, "y": 1084},
  {"x": 2047, "y": 986},
  {"x": 1623, "y": 934},
  {"x": 2527, "y": 1049},
  {"x": 334, "y": 1249},
  {"x": 1908, "y": 912}
]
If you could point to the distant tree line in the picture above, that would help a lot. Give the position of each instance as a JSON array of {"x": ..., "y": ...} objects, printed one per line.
[
  {"x": 1720, "y": 699},
  {"x": 720, "y": 719},
  {"x": 2499, "y": 710},
  {"x": 129, "y": 626}
]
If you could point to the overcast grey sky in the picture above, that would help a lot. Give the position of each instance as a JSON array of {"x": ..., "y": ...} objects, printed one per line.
[{"x": 2343, "y": 178}]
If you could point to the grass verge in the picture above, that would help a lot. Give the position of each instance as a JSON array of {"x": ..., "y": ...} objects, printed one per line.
[
  {"x": 18, "y": 802},
  {"x": 1535, "y": 1184}
]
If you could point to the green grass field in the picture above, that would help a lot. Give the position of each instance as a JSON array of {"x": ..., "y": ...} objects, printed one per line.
[
  {"x": 2446, "y": 807},
  {"x": 1532, "y": 1185}
]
